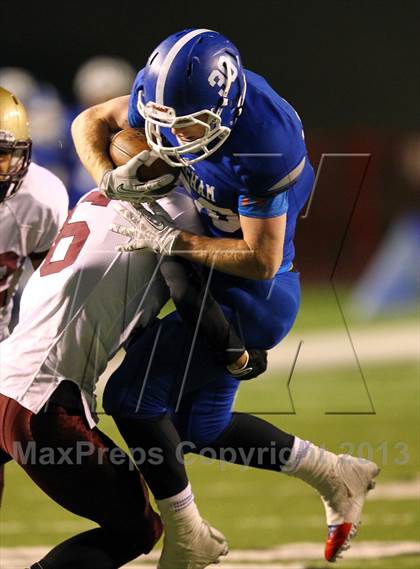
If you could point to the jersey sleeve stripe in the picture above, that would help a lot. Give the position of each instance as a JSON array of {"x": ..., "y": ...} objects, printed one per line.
[{"x": 289, "y": 178}]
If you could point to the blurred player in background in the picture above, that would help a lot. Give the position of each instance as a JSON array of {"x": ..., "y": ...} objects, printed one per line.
[
  {"x": 33, "y": 206},
  {"x": 243, "y": 158},
  {"x": 390, "y": 282},
  {"x": 102, "y": 78},
  {"x": 20, "y": 82},
  {"x": 47, "y": 116},
  {"x": 98, "y": 79}
]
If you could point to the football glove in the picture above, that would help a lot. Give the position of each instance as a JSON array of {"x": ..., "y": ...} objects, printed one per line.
[
  {"x": 149, "y": 229},
  {"x": 122, "y": 182},
  {"x": 255, "y": 366}
]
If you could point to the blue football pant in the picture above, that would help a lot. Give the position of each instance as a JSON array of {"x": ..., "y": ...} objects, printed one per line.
[{"x": 165, "y": 372}]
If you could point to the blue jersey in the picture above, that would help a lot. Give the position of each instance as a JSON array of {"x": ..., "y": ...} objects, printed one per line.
[{"x": 261, "y": 171}]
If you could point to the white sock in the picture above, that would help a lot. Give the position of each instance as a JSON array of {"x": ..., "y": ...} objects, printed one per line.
[
  {"x": 177, "y": 503},
  {"x": 312, "y": 464},
  {"x": 297, "y": 454},
  {"x": 180, "y": 515}
]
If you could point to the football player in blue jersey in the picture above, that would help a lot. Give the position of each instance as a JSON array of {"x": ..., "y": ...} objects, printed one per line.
[{"x": 242, "y": 155}]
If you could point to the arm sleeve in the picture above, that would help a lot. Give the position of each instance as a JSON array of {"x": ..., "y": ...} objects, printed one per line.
[
  {"x": 250, "y": 206},
  {"x": 187, "y": 290}
]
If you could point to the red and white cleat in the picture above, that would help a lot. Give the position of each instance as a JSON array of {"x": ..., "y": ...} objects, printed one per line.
[
  {"x": 338, "y": 540},
  {"x": 352, "y": 479},
  {"x": 342, "y": 481}
]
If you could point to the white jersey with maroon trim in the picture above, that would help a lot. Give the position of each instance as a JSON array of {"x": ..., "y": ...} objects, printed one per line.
[
  {"x": 83, "y": 302},
  {"x": 29, "y": 223}
]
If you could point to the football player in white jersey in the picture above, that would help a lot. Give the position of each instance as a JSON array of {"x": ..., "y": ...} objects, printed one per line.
[
  {"x": 86, "y": 296},
  {"x": 33, "y": 206},
  {"x": 77, "y": 310},
  {"x": 33, "y": 203}
]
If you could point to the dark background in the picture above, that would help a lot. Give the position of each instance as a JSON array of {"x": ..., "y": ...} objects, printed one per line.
[
  {"x": 340, "y": 62},
  {"x": 350, "y": 68}
]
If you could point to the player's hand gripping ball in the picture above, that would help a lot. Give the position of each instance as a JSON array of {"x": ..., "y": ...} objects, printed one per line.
[{"x": 141, "y": 176}]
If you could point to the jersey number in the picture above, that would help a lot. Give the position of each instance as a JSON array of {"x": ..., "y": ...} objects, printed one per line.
[
  {"x": 78, "y": 231},
  {"x": 219, "y": 76}
]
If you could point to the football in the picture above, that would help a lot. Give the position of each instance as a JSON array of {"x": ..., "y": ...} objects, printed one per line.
[{"x": 131, "y": 141}]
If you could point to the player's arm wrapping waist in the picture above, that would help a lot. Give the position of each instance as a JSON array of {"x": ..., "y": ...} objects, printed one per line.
[{"x": 192, "y": 301}]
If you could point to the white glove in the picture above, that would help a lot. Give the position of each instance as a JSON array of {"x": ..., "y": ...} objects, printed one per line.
[
  {"x": 154, "y": 230},
  {"x": 122, "y": 183}
]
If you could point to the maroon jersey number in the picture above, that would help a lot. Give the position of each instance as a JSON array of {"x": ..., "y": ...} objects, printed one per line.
[{"x": 78, "y": 231}]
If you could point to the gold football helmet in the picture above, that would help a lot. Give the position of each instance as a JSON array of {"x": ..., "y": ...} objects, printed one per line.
[{"x": 15, "y": 144}]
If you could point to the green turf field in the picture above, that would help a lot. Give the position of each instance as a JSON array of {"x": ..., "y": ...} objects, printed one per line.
[
  {"x": 257, "y": 509},
  {"x": 261, "y": 509},
  {"x": 324, "y": 307}
]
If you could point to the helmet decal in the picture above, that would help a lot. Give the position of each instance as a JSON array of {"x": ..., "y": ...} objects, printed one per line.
[{"x": 224, "y": 75}]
